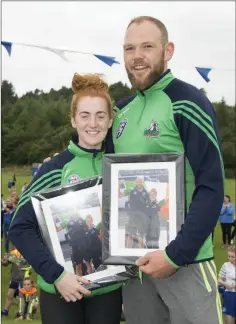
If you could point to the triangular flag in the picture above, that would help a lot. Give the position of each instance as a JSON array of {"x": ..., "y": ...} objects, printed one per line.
[
  {"x": 8, "y": 46},
  {"x": 204, "y": 72},
  {"x": 59, "y": 52},
  {"x": 109, "y": 60}
]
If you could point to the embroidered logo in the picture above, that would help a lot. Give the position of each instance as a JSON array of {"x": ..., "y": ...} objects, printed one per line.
[
  {"x": 73, "y": 178},
  {"x": 121, "y": 128},
  {"x": 153, "y": 130}
]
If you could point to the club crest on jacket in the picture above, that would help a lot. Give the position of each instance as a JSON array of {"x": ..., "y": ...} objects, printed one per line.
[{"x": 153, "y": 130}]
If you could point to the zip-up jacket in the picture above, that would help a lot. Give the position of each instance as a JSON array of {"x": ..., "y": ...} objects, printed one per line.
[
  {"x": 27, "y": 299},
  {"x": 174, "y": 116},
  {"x": 227, "y": 214},
  {"x": 20, "y": 268},
  {"x": 69, "y": 166}
]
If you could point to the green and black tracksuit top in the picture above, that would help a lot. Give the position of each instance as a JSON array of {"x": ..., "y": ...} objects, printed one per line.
[
  {"x": 71, "y": 165},
  {"x": 174, "y": 116}
]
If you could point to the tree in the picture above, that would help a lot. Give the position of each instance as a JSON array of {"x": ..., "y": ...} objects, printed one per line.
[
  {"x": 119, "y": 91},
  {"x": 7, "y": 93}
]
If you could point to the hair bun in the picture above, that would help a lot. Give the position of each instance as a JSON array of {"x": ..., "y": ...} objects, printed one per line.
[{"x": 88, "y": 81}]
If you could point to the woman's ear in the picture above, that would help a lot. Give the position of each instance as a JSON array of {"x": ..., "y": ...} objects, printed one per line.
[
  {"x": 73, "y": 124},
  {"x": 110, "y": 123}
]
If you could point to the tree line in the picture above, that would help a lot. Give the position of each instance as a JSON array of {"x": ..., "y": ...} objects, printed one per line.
[{"x": 37, "y": 124}]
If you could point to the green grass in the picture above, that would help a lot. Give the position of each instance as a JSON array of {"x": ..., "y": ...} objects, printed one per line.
[{"x": 24, "y": 175}]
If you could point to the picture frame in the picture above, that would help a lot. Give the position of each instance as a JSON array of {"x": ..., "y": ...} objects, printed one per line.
[
  {"x": 62, "y": 214},
  {"x": 143, "y": 198},
  {"x": 76, "y": 200}
]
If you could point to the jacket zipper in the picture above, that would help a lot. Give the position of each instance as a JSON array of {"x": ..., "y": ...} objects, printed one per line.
[{"x": 94, "y": 164}]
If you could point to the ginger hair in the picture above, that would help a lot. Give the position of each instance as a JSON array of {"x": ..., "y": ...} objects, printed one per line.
[{"x": 91, "y": 85}]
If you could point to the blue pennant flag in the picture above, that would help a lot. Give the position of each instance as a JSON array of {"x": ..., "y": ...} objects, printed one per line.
[
  {"x": 204, "y": 73},
  {"x": 7, "y": 46},
  {"x": 109, "y": 60}
]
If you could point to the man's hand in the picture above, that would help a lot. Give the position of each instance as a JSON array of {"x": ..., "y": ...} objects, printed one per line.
[
  {"x": 70, "y": 287},
  {"x": 155, "y": 265}
]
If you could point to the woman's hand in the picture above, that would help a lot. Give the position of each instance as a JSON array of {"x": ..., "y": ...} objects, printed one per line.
[
  {"x": 228, "y": 286},
  {"x": 70, "y": 287},
  {"x": 20, "y": 318}
]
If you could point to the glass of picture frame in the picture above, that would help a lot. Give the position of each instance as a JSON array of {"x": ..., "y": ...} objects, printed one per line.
[
  {"x": 69, "y": 218},
  {"x": 143, "y": 198}
]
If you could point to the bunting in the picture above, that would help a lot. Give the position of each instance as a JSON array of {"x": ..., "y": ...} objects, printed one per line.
[
  {"x": 204, "y": 72},
  {"x": 108, "y": 60}
]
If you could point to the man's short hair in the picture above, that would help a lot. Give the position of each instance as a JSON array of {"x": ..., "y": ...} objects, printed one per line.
[{"x": 157, "y": 22}]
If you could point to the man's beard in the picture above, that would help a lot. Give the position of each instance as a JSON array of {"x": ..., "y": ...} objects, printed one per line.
[{"x": 151, "y": 79}]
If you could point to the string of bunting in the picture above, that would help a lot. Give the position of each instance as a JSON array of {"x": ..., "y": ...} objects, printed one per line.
[{"x": 108, "y": 60}]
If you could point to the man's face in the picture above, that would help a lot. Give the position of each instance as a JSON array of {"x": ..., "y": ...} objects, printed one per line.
[
  {"x": 139, "y": 183},
  {"x": 89, "y": 221},
  {"x": 144, "y": 54}
]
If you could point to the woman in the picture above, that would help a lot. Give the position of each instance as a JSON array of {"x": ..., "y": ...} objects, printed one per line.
[
  {"x": 153, "y": 234},
  {"x": 226, "y": 220},
  {"x": 91, "y": 115}
]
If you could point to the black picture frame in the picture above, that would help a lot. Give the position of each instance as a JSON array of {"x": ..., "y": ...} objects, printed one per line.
[{"x": 119, "y": 221}]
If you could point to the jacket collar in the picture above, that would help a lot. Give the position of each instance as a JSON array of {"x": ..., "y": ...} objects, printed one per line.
[
  {"x": 78, "y": 150},
  {"x": 161, "y": 84}
]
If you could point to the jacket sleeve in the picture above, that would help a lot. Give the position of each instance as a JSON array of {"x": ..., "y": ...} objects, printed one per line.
[
  {"x": 22, "y": 304},
  {"x": 24, "y": 230},
  {"x": 230, "y": 210},
  {"x": 200, "y": 136},
  {"x": 223, "y": 210},
  {"x": 31, "y": 304}
]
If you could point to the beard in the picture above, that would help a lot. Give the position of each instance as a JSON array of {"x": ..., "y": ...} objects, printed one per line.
[{"x": 153, "y": 76}]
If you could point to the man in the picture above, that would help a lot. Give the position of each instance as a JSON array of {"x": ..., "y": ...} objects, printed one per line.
[
  {"x": 168, "y": 115},
  {"x": 77, "y": 235},
  {"x": 138, "y": 214}
]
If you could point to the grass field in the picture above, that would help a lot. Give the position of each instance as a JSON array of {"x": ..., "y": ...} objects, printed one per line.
[{"x": 24, "y": 175}]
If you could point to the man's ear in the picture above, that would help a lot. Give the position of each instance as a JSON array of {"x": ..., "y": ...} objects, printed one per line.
[{"x": 169, "y": 51}]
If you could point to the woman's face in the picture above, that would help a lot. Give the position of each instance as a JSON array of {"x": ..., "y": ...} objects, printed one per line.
[
  {"x": 91, "y": 121},
  {"x": 226, "y": 200},
  {"x": 152, "y": 196}
]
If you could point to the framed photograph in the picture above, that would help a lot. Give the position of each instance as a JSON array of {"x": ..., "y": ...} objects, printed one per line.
[
  {"x": 143, "y": 204},
  {"x": 70, "y": 224},
  {"x": 69, "y": 217}
]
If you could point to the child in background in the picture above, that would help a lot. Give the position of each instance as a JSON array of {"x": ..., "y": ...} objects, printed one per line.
[
  {"x": 28, "y": 300},
  {"x": 20, "y": 269},
  {"x": 227, "y": 279},
  {"x": 7, "y": 217}
]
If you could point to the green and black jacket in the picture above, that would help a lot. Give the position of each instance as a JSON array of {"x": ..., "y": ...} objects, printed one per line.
[{"x": 71, "y": 165}]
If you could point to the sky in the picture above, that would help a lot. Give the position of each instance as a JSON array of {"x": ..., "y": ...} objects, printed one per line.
[{"x": 203, "y": 34}]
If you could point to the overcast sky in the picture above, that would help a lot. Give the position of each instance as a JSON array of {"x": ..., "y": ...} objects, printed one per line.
[{"x": 203, "y": 33}]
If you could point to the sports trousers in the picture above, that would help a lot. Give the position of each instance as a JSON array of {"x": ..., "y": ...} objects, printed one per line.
[
  {"x": 101, "y": 309},
  {"x": 190, "y": 296}
]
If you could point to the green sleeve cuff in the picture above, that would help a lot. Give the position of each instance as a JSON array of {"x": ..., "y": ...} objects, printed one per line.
[
  {"x": 60, "y": 277},
  {"x": 170, "y": 261}
]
